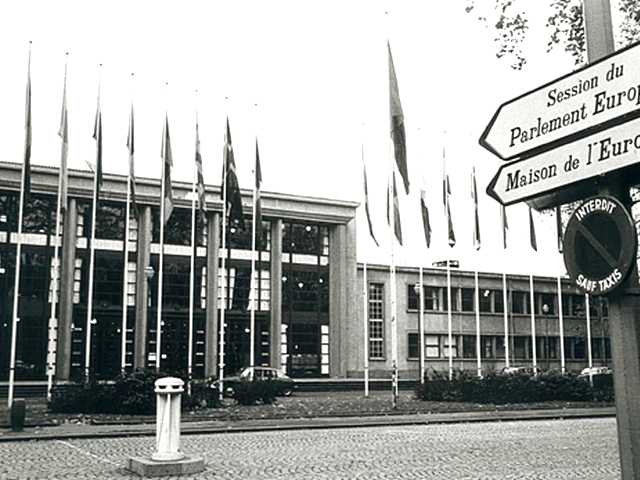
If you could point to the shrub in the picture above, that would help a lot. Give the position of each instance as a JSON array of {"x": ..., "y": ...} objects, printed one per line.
[
  {"x": 249, "y": 393},
  {"x": 519, "y": 388}
]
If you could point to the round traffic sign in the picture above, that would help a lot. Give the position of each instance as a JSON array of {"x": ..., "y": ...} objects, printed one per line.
[{"x": 599, "y": 245}]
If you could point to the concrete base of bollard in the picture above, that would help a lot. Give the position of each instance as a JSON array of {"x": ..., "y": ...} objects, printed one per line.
[{"x": 146, "y": 467}]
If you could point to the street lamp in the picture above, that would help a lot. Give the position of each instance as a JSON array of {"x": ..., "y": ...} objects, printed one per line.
[{"x": 149, "y": 272}]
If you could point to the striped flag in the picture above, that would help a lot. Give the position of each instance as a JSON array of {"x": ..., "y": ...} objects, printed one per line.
[
  {"x": 559, "y": 227},
  {"x": 397, "y": 225},
  {"x": 425, "y": 217},
  {"x": 532, "y": 231},
  {"x": 476, "y": 218},
  {"x": 167, "y": 158},
  {"x": 97, "y": 136},
  {"x": 397, "y": 124},
  {"x": 63, "y": 132},
  {"x": 230, "y": 179},
  {"x": 26, "y": 175},
  {"x": 132, "y": 175},
  {"x": 366, "y": 201},
  {"x": 446, "y": 193},
  {"x": 200, "y": 185},
  {"x": 505, "y": 225},
  {"x": 258, "y": 185}
]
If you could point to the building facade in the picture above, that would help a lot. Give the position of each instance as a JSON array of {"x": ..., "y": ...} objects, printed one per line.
[{"x": 305, "y": 273}]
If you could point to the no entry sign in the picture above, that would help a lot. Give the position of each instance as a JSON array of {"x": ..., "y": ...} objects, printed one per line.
[{"x": 599, "y": 245}]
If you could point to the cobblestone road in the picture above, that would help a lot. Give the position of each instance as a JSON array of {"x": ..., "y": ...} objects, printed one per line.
[{"x": 559, "y": 449}]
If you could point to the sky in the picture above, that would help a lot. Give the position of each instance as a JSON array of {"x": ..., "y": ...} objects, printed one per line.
[{"x": 309, "y": 80}]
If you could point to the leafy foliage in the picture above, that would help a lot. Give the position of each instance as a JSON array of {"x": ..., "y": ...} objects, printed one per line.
[
  {"x": 500, "y": 389},
  {"x": 630, "y": 26},
  {"x": 131, "y": 394},
  {"x": 566, "y": 24},
  {"x": 511, "y": 30},
  {"x": 252, "y": 392}
]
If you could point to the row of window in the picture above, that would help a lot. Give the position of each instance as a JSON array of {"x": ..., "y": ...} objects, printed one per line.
[{"x": 492, "y": 301}]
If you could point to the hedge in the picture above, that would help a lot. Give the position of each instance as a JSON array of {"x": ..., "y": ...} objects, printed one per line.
[{"x": 500, "y": 389}]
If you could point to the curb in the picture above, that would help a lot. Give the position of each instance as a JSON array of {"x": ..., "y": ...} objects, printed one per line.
[{"x": 319, "y": 423}]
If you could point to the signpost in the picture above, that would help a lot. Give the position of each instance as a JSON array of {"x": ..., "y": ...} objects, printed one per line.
[
  {"x": 600, "y": 245},
  {"x": 589, "y": 157},
  {"x": 576, "y": 105}
]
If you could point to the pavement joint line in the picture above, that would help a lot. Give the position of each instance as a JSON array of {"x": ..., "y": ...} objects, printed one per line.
[
  {"x": 86, "y": 452},
  {"x": 329, "y": 423}
]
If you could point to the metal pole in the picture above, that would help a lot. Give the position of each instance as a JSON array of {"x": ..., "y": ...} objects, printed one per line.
[
  {"x": 192, "y": 272},
  {"x": 125, "y": 280},
  {"x": 365, "y": 329},
  {"x": 421, "y": 327},
  {"x": 505, "y": 308},
  {"x": 478, "y": 346},
  {"x": 561, "y": 326},
  {"x": 161, "y": 257},
  {"x": 87, "y": 344},
  {"x": 589, "y": 352},
  {"x": 533, "y": 326}
]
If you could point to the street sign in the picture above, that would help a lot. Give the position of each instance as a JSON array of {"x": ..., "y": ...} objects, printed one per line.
[
  {"x": 599, "y": 154},
  {"x": 578, "y": 104},
  {"x": 599, "y": 245}
]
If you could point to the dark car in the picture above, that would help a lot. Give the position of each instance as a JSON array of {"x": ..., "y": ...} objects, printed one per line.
[{"x": 286, "y": 386}]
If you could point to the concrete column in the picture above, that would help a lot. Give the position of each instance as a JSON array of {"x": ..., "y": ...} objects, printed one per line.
[
  {"x": 142, "y": 287},
  {"x": 276, "y": 293},
  {"x": 341, "y": 285},
  {"x": 351, "y": 305},
  {"x": 65, "y": 312},
  {"x": 211, "y": 327}
]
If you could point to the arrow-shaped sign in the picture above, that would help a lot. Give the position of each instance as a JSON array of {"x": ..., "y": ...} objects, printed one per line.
[
  {"x": 596, "y": 155},
  {"x": 570, "y": 107}
]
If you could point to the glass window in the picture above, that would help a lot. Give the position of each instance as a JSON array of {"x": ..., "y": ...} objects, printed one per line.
[
  {"x": 485, "y": 300},
  {"x": 454, "y": 299},
  {"x": 469, "y": 346},
  {"x": 453, "y": 346},
  {"x": 498, "y": 301},
  {"x": 553, "y": 347},
  {"x": 110, "y": 220},
  {"x": 579, "y": 348},
  {"x": 108, "y": 279},
  {"x": 431, "y": 346},
  {"x": 303, "y": 238},
  {"x": 468, "y": 295},
  {"x": 519, "y": 302},
  {"x": 431, "y": 298},
  {"x": 548, "y": 302},
  {"x": 577, "y": 306},
  {"x": 519, "y": 347},
  {"x": 486, "y": 344},
  {"x": 412, "y": 297},
  {"x": 500, "y": 347},
  {"x": 413, "y": 346},
  {"x": 376, "y": 321},
  {"x": 39, "y": 213},
  {"x": 177, "y": 230}
]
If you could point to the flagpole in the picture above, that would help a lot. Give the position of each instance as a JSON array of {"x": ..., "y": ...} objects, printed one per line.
[
  {"x": 161, "y": 256},
  {"x": 225, "y": 284},
  {"x": 505, "y": 312},
  {"x": 252, "y": 313},
  {"x": 53, "y": 320},
  {"x": 365, "y": 329},
  {"x": 94, "y": 208},
  {"x": 589, "y": 352},
  {"x": 421, "y": 325},
  {"x": 125, "y": 275},
  {"x": 533, "y": 325},
  {"x": 392, "y": 278},
  {"x": 448, "y": 219},
  {"x": 478, "y": 346},
  {"x": 16, "y": 284},
  {"x": 476, "y": 240},
  {"x": 192, "y": 269},
  {"x": 561, "y": 326}
]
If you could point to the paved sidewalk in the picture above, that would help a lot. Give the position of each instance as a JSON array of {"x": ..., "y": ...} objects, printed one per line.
[{"x": 81, "y": 430}]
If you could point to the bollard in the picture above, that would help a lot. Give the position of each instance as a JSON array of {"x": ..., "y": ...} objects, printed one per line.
[
  {"x": 167, "y": 459},
  {"x": 168, "y": 392},
  {"x": 18, "y": 411}
]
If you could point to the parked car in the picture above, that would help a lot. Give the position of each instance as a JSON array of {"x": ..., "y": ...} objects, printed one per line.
[
  {"x": 286, "y": 385},
  {"x": 517, "y": 371},
  {"x": 595, "y": 371}
]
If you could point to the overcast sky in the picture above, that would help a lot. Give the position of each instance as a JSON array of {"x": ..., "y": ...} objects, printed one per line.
[{"x": 317, "y": 71}]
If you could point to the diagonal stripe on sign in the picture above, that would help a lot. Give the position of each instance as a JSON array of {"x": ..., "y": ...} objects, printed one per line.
[{"x": 595, "y": 243}]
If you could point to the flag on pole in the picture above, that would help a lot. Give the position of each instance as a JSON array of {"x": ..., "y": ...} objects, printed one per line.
[
  {"x": 258, "y": 184},
  {"x": 366, "y": 201},
  {"x": 425, "y": 217},
  {"x": 446, "y": 193},
  {"x": 505, "y": 225},
  {"x": 559, "y": 228},
  {"x": 26, "y": 177},
  {"x": 97, "y": 136},
  {"x": 476, "y": 218},
  {"x": 200, "y": 185},
  {"x": 168, "y": 163},
  {"x": 397, "y": 124},
  {"x": 397, "y": 226},
  {"x": 63, "y": 132},
  {"x": 132, "y": 175},
  {"x": 234, "y": 199},
  {"x": 532, "y": 231}
]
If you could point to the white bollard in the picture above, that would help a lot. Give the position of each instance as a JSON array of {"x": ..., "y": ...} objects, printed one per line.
[{"x": 168, "y": 391}]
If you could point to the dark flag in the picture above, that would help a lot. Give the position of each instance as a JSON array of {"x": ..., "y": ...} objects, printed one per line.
[
  {"x": 446, "y": 193},
  {"x": 132, "y": 175},
  {"x": 230, "y": 179},
  {"x": 258, "y": 184},
  {"x": 532, "y": 231},
  {"x": 366, "y": 203},
  {"x": 167, "y": 159},
  {"x": 397, "y": 124},
  {"x": 63, "y": 132},
  {"x": 505, "y": 225},
  {"x": 397, "y": 225},
  {"x": 476, "y": 222},
  {"x": 200, "y": 185},
  {"x": 26, "y": 175},
  {"x": 97, "y": 136},
  {"x": 425, "y": 217},
  {"x": 559, "y": 227}
]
